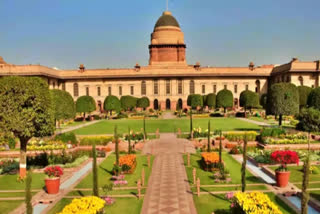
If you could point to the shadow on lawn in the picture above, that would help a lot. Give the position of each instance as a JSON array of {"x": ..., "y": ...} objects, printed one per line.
[
  {"x": 247, "y": 129},
  {"x": 106, "y": 170}
]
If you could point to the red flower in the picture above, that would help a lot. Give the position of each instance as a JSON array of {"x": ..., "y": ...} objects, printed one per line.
[
  {"x": 53, "y": 171},
  {"x": 285, "y": 157}
]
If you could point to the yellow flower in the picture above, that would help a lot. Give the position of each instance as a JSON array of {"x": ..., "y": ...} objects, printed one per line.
[{"x": 84, "y": 205}]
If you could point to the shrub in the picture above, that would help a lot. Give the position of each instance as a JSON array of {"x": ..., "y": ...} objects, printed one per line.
[
  {"x": 217, "y": 114},
  {"x": 309, "y": 120},
  {"x": 304, "y": 92},
  {"x": 249, "y": 100},
  {"x": 195, "y": 101},
  {"x": 209, "y": 160},
  {"x": 241, "y": 114},
  {"x": 234, "y": 136},
  {"x": 224, "y": 99},
  {"x": 314, "y": 98},
  {"x": 236, "y": 150},
  {"x": 272, "y": 132},
  {"x": 89, "y": 141},
  {"x": 128, "y": 102},
  {"x": 128, "y": 163},
  {"x": 112, "y": 103},
  {"x": 211, "y": 101},
  {"x": 8, "y": 166},
  {"x": 67, "y": 137},
  {"x": 85, "y": 104},
  {"x": 63, "y": 105},
  {"x": 143, "y": 102},
  {"x": 284, "y": 158}
]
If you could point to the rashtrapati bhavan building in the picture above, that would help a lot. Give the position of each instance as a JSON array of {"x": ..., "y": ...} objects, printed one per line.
[{"x": 168, "y": 79}]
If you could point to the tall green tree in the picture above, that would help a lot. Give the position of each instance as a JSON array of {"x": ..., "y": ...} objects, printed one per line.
[
  {"x": 209, "y": 131},
  {"x": 249, "y": 100},
  {"x": 195, "y": 101},
  {"x": 244, "y": 164},
  {"x": 211, "y": 101},
  {"x": 314, "y": 98},
  {"x": 95, "y": 187},
  {"x": 63, "y": 105},
  {"x": 128, "y": 102},
  {"x": 112, "y": 103},
  {"x": 191, "y": 123},
  {"x": 116, "y": 138},
  {"x": 283, "y": 99},
  {"x": 85, "y": 104},
  {"x": 224, "y": 99},
  {"x": 26, "y": 111},
  {"x": 143, "y": 102},
  {"x": 129, "y": 141},
  {"x": 304, "y": 92},
  {"x": 28, "y": 197},
  {"x": 220, "y": 147}
]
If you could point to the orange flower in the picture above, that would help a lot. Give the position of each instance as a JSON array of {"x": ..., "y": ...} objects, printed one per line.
[
  {"x": 210, "y": 157},
  {"x": 129, "y": 160}
]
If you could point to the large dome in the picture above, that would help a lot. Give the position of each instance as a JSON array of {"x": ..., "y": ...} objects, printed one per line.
[{"x": 167, "y": 20}]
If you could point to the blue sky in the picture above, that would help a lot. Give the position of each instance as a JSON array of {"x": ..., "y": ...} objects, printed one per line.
[{"x": 105, "y": 33}]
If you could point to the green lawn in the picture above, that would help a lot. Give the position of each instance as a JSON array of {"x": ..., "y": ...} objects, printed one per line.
[
  {"x": 207, "y": 177},
  {"x": 105, "y": 172},
  {"x": 9, "y": 182},
  {"x": 296, "y": 174},
  {"x": 8, "y": 206},
  {"x": 107, "y": 126},
  {"x": 122, "y": 205},
  {"x": 220, "y": 205},
  {"x": 231, "y": 188}
]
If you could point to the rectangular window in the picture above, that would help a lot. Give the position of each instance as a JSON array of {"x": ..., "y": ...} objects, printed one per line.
[
  {"x": 131, "y": 90},
  {"x": 247, "y": 87},
  {"x": 235, "y": 89},
  {"x": 203, "y": 89},
  {"x": 120, "y": 90},
  {"x": 214, "y": 89},
  {"x": 155, "y": 87},
  {"x": 99, "y": 91},
  {"x": 167, "y": 86},
  {"x": 225, "y": 87},
  {"x": 109, "y": 90},
  {"x": 179, "y": 86},
  {"x": 87, "y": 91}
]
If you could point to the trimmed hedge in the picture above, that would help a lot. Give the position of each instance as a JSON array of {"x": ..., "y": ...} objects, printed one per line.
[
  {"x": 66, "y": 137},
  {"x": 88, "y": 141},
  {"x": 235, "y": 136}
]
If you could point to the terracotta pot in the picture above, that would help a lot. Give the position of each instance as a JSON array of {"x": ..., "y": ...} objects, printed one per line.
[
  {"x": 282, "y": 178},
  {"x": 52, "y": 185}
]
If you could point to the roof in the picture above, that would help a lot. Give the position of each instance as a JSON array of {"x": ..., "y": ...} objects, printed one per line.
[{"x": 167, "y": 20}]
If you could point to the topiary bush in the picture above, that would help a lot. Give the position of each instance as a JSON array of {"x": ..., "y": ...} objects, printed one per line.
[
  {"x": 224, "y": 99},
  {"x": 62, "y": 104},
  {"x": 112, "y": 103},
  {"x": 195, "y": 101},
  {"x": 128, "y": 102},
  {"x": 67, "y": 137},
  {"x": 249, "y": 100},
  {"x": 211, "y": 101},
  {"x": 143, "y": 103},
  {"x": 309, "y": 120},
  {"x": 314, "y": 98},
  {"x": 304, "y": 92},
  {"x": 85, "y": 104}
]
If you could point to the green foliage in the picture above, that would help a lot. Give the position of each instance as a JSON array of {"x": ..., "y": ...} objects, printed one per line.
[
  {"x": 128, "y": 102},
  {"x": 211, "y": 100},
  {"x": 283, "y": 99},
  {"x": 67, "y": 137},
  {"x": 28, "y": 197},
  {"x": 237, "y": 135},
  {"x": 220, "y": 147},
  {"x": 195, "y": 100},
  {"x": 97, "y": 140},
  {"x": 305, "y": 183},
  {"x": 243, "y": 167},
  {"x": 129, "y": 141},
  {"x": 116, "y": 146},
  {"x": 224, "y": 99},
  {"x": 272, "y": 132},
  {"x": 144, "y": 127},
  {"x": 143, "y": 102},
  {"x": 204, "y": 100},
  {"x": 314, "y": 98},
  {"x": 95, "y": 187},
  {"x": 209, "y": 143},
  {"x": 63, "y": 105},
  {"x": 263, "y": 100},
  {"x": 304, "y": 92},
  {"x": 309, "y": 120},
  {"x": 249, "y": 99},
  {"x": 191, "y": 123},
  {"x": 85, "y": 104},
  {"x": 112, "y": 103}
]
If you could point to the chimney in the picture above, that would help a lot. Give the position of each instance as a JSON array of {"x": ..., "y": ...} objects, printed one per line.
[
  {"x": 81, "y": 68},
  {"x": 197, "y": 66},
  {"x": 137, "y": 67},
  {"x": 251, "y": 66}
]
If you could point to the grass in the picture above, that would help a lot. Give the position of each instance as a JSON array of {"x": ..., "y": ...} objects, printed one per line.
[
  {"x": 220, "y": 205},
  {"x": 207, "y": 177},
  {"x": 315, "y": 194},
  {"x": 14, "y": 194},
  {"x": 231, "y": 188},
  {"x": 9, "y": 182},
  {"x": 105, "y": 172},
  {"x": 296, "y": 174},
  {"x": 8, "y": 206},
  {"x": 122, "y": 205},
  {"x": 113, "y": 192},
  {"x": 107, "y": 126}
]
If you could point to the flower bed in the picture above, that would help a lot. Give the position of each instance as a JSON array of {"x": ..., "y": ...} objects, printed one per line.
[
  {"x": 89, "y": 204},
  {"x": 39, "y": 145},
  {"x": 198, "y": 132},
  {"x": 209, "y": 161},
  {"x": 236, "y": 136},
  {"x": 128, "y": 163},
  {"x": 253, "y": 203},
  {"x": 97, "y": 140},
  {"x": 134, "y": 136}
]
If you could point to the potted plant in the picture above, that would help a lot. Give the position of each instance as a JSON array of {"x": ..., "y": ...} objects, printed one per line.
[
  {"x": 53, "y": 180},
  {"x": 283, "y": 158}
]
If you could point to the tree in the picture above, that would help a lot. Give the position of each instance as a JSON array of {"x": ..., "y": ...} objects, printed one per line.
[
  {"x": 128, "y": 102},
  {"x": 224, "y": 99},
  {"x": 195, "y": 101},
  {"x": 28, "y": 197},
  {"x": 220, "y": 147},
  {"x": 309, "y": 120},
  {"x": 305, "y": 183},
  {"x": 143, "y": 102},
  {"x": 211, "y": 101},
  {"x": 85, "y": 104},
  {"x": 144, "y": 127},
  {"x": 191, "y": 124},
  {"x": 204, "y": 101},
  {"x": 249, "y": 100},
  {"x": 95, "y": 171},
  {"x": 112, "y": 103},
  {"x": 63, "y": 105},
  {"x": 25, "y": 110},
  {"x": 129, "y": 141},
  {"x": 263, "y": 100},
  {"x": 244, "y": 164},
  {"x": 304, "y": 92},
  {"x": 116, "y": 138},
  {"x": 283, "y": 99},
  {"x": 314, "y": 98},
  {"x": 209, "y": 143}
]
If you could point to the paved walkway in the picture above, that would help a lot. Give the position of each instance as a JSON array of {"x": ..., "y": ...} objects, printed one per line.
[
  {"x": 253, "y": 121},
  {"x": 168, "y": 189},
  {"x": 168, "y": 115}
]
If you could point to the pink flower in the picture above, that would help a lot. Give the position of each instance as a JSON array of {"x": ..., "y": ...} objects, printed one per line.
[
  {"x": 229, "y": 195},
  {"x": 232, "y": 205}
]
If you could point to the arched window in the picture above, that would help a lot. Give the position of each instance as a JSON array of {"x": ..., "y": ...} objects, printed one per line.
[
  {"x": 167, "y": 86},
  {"x": 301, "y": 80},
  {"x": 180, "y": 104},
  {"x": 179, "y": 86},
  {"x": 143, "y": 88},
  {"x": 258, "y": 86},
  {"x": 168, "y": 104},
  {"x": 75, "y": 89},
  {"x": 191, "y": 87},
  {"x": 155, "y": 87},
  {"x": 155, "y": 104}
]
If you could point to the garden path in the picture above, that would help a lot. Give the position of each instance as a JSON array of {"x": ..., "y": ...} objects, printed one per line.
[
  {"x": 168, "y": 189},
  {"x": 72, "y": 128},
  {"x": 253, "y": 121},
  {"x": 168, "y": 115}
]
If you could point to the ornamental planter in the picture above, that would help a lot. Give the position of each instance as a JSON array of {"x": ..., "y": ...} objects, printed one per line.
[
  {"x": 52, "y": 185},
  {"x": 282, "y": 178}
]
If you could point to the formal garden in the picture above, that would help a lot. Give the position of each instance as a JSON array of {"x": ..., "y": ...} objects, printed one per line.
[{"x": 57, "y": 154}]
